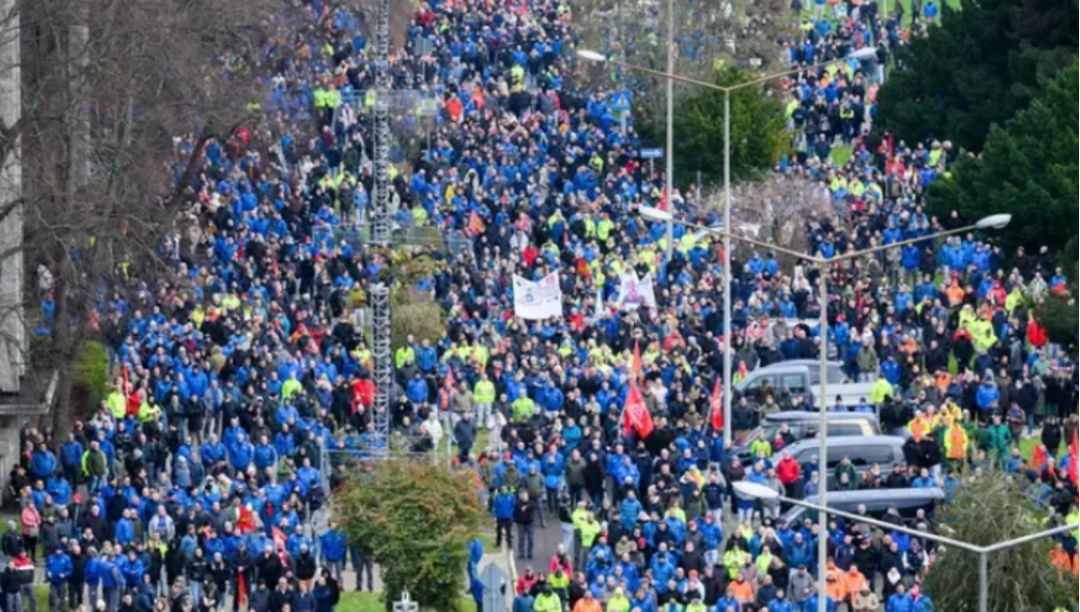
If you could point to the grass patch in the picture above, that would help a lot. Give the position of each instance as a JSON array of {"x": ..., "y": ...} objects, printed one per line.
[
  {"x": 487, "y": 540},
  {"x": 373, "y": 602},
  {"x": 841, "y": 155}
]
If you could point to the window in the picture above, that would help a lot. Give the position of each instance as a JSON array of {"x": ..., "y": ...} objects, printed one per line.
[
  {"x": 846, "y": 429},
  {"x": 757, "y": 382},
  {"x": 794, "y": 383},
  {"x": 866, "y": 456}
]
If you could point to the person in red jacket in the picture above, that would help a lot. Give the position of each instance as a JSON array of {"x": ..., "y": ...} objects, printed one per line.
[{"x": 788, "y": 471}]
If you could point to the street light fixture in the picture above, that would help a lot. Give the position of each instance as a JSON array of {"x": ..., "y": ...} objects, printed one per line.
[
  {"x": 994, "y": 222},
  {"x": 591, "y": 56}
]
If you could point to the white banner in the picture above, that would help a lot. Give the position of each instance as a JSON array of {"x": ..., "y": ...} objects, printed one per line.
[
  {"x": 634, "y": 292},
  {"x": 538, "y": 301}
]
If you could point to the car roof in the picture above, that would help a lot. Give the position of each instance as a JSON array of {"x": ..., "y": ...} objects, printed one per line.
[
  {"x": 847, "y": 442},
  {"x": 800, "y": 417},
  {"x": 780, "y": 365},
  {"x": 891, "y": 495}
]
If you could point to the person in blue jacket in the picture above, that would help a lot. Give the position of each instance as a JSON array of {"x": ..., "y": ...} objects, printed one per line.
[
  {"x": 988, "y": 395},
  {"x": 112, "y": 582},
  {"x": 334, "y": 544},
  {"x": 811, "y": 604},
  {"x": 58, "y": 569},
  {"x": 901, "y": 601},
  {"x": 417, "y": 390},
  {"x": 71, "y": 453},
  {"x": 781, "y": 604},
  {"x": 241, "y": 453},
  {"x": 265, "y": 454},
  {"x": 43, "y": 463},
  {"x": 503, "y": 509},
  {"x": 131, "y": 568}
]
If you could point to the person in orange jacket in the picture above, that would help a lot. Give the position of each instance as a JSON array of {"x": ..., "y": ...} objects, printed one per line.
[
  {"x": 836, "y": 587},
  {"x": 1059, "y": 558},
  {"x": 854, "y": 581}
]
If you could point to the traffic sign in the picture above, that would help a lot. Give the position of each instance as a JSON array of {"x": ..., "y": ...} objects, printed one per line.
[
  {"x": 652, "y": 154},
  {"x": 494, "y": 579},
  {"x": 620, "y": 102}
]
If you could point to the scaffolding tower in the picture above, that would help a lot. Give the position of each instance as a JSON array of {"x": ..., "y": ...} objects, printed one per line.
[
  {"x": 380, "y": 217},
  {"x": 381, "y": 355}
]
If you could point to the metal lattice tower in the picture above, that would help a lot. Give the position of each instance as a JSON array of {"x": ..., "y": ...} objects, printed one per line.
[
  {"x": 381, "y": 356},
  {"x": 380, "y": 218}
]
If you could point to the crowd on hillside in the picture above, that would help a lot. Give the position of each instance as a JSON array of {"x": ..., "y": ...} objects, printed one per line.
[{"x": 200, "y": 480}]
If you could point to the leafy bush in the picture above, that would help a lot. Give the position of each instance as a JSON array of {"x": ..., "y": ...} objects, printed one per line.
[
  {"x": 416, "y": 519},
  {"x": 992, "y": 508},
  {"x": 415, "y": 314}
]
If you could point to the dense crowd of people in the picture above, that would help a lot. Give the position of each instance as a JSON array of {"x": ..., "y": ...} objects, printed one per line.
[{"x": 201, "y": 480}]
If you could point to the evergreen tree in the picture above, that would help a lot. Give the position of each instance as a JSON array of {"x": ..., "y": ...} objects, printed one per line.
[
  {"x": 1028, "y": 169},
  {"x": 987, "y": 61},
  {"x": 758, "y": 129}
]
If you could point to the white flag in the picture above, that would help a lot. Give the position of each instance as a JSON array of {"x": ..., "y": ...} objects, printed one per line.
[
  {"x": 635, "y": 292},
  {"x": 538, "y": 301}
]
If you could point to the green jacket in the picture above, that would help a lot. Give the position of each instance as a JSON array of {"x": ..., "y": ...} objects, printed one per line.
[{"x": 998, "y": 438}]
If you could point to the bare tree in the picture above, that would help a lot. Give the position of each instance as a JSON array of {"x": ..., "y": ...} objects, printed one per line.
[
  {"x": 120, "y": 99},
  {"x": 778, "y": 209},
  {"x": 708, "y": 36}
]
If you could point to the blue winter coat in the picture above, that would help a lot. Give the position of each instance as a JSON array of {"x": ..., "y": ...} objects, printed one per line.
[
  {"x": 503, "y": 506},
  {"x": 58, "y": 568},
  {"x": 71, "y": 453},
  {"x": 900, "y": 603},
  {"x": 43, "y": 464}
]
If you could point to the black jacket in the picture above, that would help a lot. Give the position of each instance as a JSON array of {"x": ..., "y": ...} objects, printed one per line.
[
  {"x": 524, "y": 512},
  {"x": 278, "y": 600},
  {"x": 305, "y": 566}
]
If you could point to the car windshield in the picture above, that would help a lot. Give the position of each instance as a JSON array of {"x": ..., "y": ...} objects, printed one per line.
[{"x": 836, "y": 375}]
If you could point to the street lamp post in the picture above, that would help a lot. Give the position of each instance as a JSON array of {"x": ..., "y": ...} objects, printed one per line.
[
  {"x": 593, "y": 56},
  {"x": 822, "y": 265},
  {"x": 750, "y": 490}
]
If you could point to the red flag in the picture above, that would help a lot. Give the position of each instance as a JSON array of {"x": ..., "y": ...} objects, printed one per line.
[
  {"x": 279, "y": 538},
  {"x": 636, "y": 416},
  {"x": 1038, "y": 459},
  {"x": 476, "y": 224},
  {"x": 241, "y": 590},
  {"x": 635, "y": 362},
  {"x": 449, "y": 380},
  {"x": 716, "y": 405},
  {"x": 245, "y": 523}
]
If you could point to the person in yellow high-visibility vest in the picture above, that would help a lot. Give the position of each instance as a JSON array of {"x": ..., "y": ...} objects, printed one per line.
[{"x": 484, "y": 395}]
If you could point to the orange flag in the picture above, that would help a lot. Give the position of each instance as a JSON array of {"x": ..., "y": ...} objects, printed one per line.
[
  {"x": 635, "y": 362},
  {"x": 1038, "y": 459},
  {"x": 716, "y": 405},
  {"x": 476, "y": 224},
  {"x": 636, "y": 417}
]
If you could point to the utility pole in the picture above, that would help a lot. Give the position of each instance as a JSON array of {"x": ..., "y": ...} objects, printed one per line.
[
  {"x": 670, "y": 178},
  {"x": 13, "y": 340}
]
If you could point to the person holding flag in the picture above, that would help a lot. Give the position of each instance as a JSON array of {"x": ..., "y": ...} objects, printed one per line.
[{"x": 636, "y": 417}]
